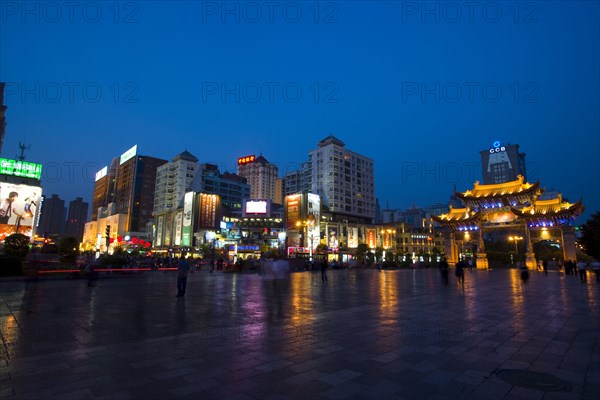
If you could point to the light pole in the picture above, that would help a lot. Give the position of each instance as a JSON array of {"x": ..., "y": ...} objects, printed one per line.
[{"x": 516, "y": 240}]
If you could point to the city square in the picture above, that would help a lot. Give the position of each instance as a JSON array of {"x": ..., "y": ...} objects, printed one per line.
[{"x": 397, "y": 334}]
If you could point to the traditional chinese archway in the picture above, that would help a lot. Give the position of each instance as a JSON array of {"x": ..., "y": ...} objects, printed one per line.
[{"x": 512, "y": 206}]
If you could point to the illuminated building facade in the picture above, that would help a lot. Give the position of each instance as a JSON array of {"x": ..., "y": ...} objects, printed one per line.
[
  {"x": 511, "y": 206},
  {"x": 343, "y": 179},
  {"x": 173, "y": 180},
  {"x": 260, "y": 174},
  {"x": 502, "y": 163},
  {"x": 125, "y": 189}
]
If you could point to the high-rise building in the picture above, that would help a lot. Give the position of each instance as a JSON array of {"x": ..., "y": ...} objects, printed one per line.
[
  {"x": 104, "y": 189},
  {"x": 127, "y": 189},
  {"x": 260, "y": 174},
  {"x": 297, "y": 181},
  {"x": 502, "y": 163},
  {"x": 2, "y": 117},
  {"x": 345, "y": 180},
  {"x": 52, "y": 216},
  {"x": 76, "y": 218},
  {"x": 174, "y": 180},
  {"x": 232, "y": 189}
]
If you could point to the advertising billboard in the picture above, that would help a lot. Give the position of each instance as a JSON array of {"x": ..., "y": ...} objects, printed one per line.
[
  {"x": 292, "y": 210},
  {"x": 260, "y": 208},
  {"x": 372, "y": 238},
  {"x": 168, "y": 229},
  {"x": 128, "y": 154},
  {"x": 19, "y": 209},
  {"x": 159, "y": 230},
  {"x": 186, "y": 234},
  {"x": 387, "y": 239},
  {"x": 178, "y": 227},
  {"x": 332, "y": 237},
  {"x": 208, "y": 211},
  {"x": 352, "y": 237},
  {"x": 19, "y": 168}
]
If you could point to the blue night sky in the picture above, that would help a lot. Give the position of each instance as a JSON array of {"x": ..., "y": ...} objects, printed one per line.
[{"x": 419, "y": 87}]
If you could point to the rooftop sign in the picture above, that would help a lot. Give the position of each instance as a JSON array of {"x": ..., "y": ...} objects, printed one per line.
[
  {"x": 20, "y": 168},
  {"x": 128, "y": 154}
]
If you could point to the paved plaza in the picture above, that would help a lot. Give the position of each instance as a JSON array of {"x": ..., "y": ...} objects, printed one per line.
[{"x": 364, "y": 335}]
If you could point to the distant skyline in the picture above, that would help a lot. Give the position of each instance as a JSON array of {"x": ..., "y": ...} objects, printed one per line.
[{"x": 421, "y": 88}]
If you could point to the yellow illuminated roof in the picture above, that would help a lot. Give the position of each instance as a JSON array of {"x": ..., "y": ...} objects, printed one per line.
[{"x": 500, "y": 189}]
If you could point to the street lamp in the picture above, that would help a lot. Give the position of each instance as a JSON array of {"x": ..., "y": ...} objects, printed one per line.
[
  {"x": 516, "y": 240},
  {"x": 309, "y": 224}
]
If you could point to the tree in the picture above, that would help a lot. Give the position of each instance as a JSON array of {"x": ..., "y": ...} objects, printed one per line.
[
  {"x": 16, "y": 245},
  {"x": 68, "y": 249},
  {"x": 590, "y": 236},
  {"x": 361, "y": 251},
  {"x": 378, "y": 253}
]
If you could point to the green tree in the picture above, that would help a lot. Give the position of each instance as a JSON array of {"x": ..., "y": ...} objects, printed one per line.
[
  {"x": 16, "y": 245},
  {"x": 68, "y": 249},
  {"x": 378, "y": 253},
  {"x": 590, "y": 236},
  {"x": 361, "y": 251}
]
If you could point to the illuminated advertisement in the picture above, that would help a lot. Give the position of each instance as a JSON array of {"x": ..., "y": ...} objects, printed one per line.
[
  {"x": 208, "y": 210},
  {"x": 101, "y": 174},
  {"x": 186, "y": 234},
  {"x": 19, "y": 209},
  {"x": 128, "y": 154},
  {"x": 159, "y": 230},
  {"x": 352, "y": 238},
  {"x": 20, "y": 168},
  {"x": 246, "y": 160},
  {"x": 257, "y": 207},
  {"x": 372, "y": 238},
  {"x": 313, "y": 214},
  {"x": 292, "y": 210},
  {"x": 387, "y": 240},
  {"x": 168, "y": 229},
  {"x": 332, "y": 237},
  {"x": 178, "y": 226}
]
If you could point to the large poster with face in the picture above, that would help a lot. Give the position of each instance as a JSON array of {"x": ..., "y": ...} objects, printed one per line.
[
  {"x": 332, "y": 237},
  {"x": 19, "y": 209}
]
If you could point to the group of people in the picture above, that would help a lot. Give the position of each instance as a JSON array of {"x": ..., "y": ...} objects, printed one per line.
[{"x": 459, "y": 271}]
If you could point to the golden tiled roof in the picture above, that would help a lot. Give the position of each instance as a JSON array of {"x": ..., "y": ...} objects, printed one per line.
[
  {"x": 550, "y": 207},
  {"x": 455, "y": 214},
  {"x": 500, "y": 189}
]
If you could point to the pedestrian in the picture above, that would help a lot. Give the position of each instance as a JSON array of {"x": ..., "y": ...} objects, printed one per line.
[
  {"x": 92, "y": 274},
  {"x": 444, "y": 269},
  {"x": 470, "y": 263},
  {"x": 524, "y": 273},
  {"x": 460, "y": 272},
  {"x": 545, "y": 267},
  {"x": 324, "y": 271},
  {"x": 582, "y": 272},
  {"x": 182, "y": 274},
  {"x": 596, "y": 269}
]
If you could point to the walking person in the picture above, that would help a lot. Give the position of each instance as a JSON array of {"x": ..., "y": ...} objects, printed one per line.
[
  {"x": 582, "y": 272},
  {"x": 182, "y": 274},
  {"x": 460, "y": 273},
  {"x": 444, "y": 269},
  {"x": 545, "y": 267},
  {"x": 324, "y": 271}
]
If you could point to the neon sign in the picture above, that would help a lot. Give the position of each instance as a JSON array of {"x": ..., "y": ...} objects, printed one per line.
[{"x": 246, "y": 160}]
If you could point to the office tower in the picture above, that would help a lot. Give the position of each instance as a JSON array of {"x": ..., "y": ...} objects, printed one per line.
[
  {"x": 76, "y": 218},
  {"x": 174, "y": 180},
  {"x": 260, "y": 175},
  {"x": 345, "y": 180},
  {"x": 502, "y": 163},
  {"x": 52, "y": 216}
]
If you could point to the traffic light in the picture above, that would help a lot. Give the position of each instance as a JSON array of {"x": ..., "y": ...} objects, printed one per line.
[{"x": 107, "y": 230}]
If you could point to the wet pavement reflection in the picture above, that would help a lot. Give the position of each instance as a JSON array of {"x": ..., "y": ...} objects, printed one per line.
[{"x": 244, "y": 324}]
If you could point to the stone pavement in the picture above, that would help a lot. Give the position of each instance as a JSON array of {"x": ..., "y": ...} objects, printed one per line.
[{"x": 364, "y": 335}]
